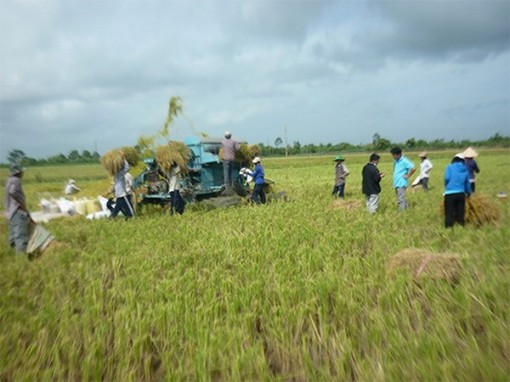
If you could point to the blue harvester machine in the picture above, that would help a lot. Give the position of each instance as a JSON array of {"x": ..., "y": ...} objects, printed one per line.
[{"x": 204, "y": 179}]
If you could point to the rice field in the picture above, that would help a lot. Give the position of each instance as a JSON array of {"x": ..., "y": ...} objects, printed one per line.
[{"x": 289, "y": 291}]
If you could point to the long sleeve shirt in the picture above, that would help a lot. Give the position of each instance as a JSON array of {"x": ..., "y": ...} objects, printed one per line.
[
  {"x": 14, "y": 197},
  {"x": 229, "y": 149},
  {"x": 120, "y": 181},
  {"x": 456, "y": 179},
  {"x": 425, "y": 168},
  {"x": 371, "y": 178}
]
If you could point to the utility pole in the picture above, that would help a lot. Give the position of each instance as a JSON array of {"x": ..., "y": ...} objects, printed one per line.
[{"x": 286, "y": 143}]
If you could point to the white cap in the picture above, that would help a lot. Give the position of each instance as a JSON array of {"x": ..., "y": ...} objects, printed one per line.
[
  {"x": 459, "y": 155},
  {"x": 228, "y": 133},
  {"x": 256, "y": 160}
]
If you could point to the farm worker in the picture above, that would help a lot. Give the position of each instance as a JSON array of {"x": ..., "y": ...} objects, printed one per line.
[
  {"x": 129, "y": 187},
  {"x": 371, "y": 178},
  {"x": 230, "y": 148},
  {"x": 457, "y": 187},
  {"x": 472, "y": 166},
  {"x": 341, "y": 172},
  {"x": 71, "y": 187},
  {"x": 259, "y": 195},
  {"x": 176, "y": 201},
  {"x": 425, "y": 169},
  {"x": 403, "y": 169},
  {"x": 122, "y": 203},
  {"x": 16, "y": 210}
]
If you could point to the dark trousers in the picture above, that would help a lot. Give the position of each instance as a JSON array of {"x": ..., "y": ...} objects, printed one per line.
[
  {"x": 259, "y": 195},
  {"x": 340, "y": 189},
  {"x": 473, "y": 187},
  {"x": 123, "y": 204},
  {"x": 176, "y": 202},
  {"x": 425, "y": 183},
  {"x": 454, "y": 209}
]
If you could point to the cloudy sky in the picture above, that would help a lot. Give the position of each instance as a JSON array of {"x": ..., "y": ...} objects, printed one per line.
[{"x": 98, "y": 74}]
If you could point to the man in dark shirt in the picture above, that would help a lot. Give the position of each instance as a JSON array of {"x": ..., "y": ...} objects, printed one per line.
[{"x": 371, "y": 187}]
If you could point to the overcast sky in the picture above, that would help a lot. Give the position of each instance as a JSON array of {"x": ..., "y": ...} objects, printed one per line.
[{"x": 98, "y": 74}]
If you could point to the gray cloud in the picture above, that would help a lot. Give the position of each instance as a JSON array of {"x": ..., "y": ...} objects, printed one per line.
[{"x": 77, "y": 73}]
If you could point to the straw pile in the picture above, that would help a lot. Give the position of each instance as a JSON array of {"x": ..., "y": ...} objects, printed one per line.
[
  {"x": 173, "y": 153},
  {"x": 341, "y": 204},
  {"x": 422, "y": 263},
  {"x": 479, "y": 210},
  {"x": 132, "y": 155},
  {"x": 246, "y": 153},
  {"x": 113, "y": 161}
]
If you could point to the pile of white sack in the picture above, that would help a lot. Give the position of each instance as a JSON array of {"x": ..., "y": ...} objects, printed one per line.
[{"x": 56, "y": 208}]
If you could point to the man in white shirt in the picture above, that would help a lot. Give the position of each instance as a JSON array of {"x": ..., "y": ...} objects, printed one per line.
[{"x": 425, "y": 169}]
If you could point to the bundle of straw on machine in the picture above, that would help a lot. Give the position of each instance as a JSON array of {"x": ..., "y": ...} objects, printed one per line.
[
  {"x": 132, "y": 155},
  {"x": 174, "y": 153},
  {"x": 113, "y": 161}
]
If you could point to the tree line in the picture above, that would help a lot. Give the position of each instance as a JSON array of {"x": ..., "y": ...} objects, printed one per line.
[{"x": 378, "y": 143}]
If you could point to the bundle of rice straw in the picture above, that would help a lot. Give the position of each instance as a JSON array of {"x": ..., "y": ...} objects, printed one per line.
[
  {"x": 113, "y": 161},
  {"x": 480, "y": 210},
  {"x": 173, "y": 153},
  {"x": 132, "y": 155},
  {"x": 246, "y": 153},
  {"x": 341, "y": 204},
  {"x": 422, "y": 263}
]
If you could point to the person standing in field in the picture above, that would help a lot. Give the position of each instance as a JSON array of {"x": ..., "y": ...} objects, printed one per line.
[
  {"x": 341, "y": 172},
  {"x": 457, "y": 188},
  {"x": 259, "y": 195},
  {"x": 129, "y": 187},
  {"x": 425, "y": 169},
  {"x": 176, "y": 201},
  {"x": 71, "y": 187},
  {"x": 403, "y": 169},
  {"x": 122, "y": 203},
  {"x": 472, "y": 166},
  {"x": 230, "y": 147},
  {"x": 16, "y": 210},
  {"x": 371, "y": 178}
]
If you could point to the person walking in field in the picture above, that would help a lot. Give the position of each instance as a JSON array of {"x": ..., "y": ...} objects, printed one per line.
[
  {"x": 425, "y": 169},
  {"x": 259, "y": 195},
  {"x": 176, "y": 202},
  {"x": 16, "y": 210},
  {"x": 230, "y": 147},
  {"x": 472, "y": 166},
  {"x": 403, "y": 169},
  {"x": 457, "y": 188},
  {"x": 341, "y": 173},
  {"x": 122, "y": 203},
  {"x": 371, "y": 178}
]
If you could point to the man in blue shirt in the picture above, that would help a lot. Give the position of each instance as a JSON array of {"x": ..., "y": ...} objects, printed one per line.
[{"x": 403, "y": 169}]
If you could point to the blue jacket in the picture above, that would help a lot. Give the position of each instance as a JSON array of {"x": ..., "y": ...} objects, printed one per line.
[
  {"x": 258, "y": 174},
  {"x": 456, "y": 179}
]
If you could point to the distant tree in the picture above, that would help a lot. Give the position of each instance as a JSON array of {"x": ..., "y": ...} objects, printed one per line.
[
  {"x": 278, "y": 141},
  {"x": 375, "y": 139},
  {"x": 85, "y": 154},
  {"x": 16, "y": 157},
  {"x": 382, "y": 144},
  {"x": 74, "y": 155},
  {"x": 410, "y": 143}
]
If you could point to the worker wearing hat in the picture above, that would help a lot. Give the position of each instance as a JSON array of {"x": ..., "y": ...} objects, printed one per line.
[
  {"x": 472, "y": 166},
  {"x": 456, "y": 180},
  {"x": 16, "y": 210},
  {"x": 259, "y": 195},
  {"x": 341, "y": 172},
  {"x": 230, "y": 147},
  {"x": 425, "y": 169},
  {"x": 71, "y": 187}
]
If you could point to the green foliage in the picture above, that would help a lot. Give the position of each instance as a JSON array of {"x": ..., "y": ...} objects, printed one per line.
[{"x": 285, "y": 291}]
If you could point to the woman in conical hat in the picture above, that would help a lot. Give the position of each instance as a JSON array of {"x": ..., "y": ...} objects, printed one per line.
[{"x": 472, "y": 166}]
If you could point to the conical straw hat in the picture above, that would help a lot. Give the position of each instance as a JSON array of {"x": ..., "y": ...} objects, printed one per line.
[{"x": 470, "y": 153}]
